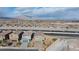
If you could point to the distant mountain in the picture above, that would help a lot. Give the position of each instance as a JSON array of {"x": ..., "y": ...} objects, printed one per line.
[
  {"x": 6, "y": 18},
  {"x": 25, "y": 18}
]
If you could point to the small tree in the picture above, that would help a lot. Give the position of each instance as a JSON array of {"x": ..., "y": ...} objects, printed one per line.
[
  {"x": 54, "y": 39},
  {"x": 1, "y": 42}
]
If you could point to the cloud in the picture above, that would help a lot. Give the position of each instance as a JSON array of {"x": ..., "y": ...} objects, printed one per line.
[
  {"x": 41, "y": 12},
  {"x": 34, "y": 11},
  {"x": 37, "y": 12}
]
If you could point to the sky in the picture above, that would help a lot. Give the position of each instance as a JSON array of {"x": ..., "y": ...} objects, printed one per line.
[{"x": 40, "y": 12}]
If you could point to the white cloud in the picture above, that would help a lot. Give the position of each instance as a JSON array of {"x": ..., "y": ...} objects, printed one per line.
[
  {"x": 37, "y": 11},
  {"x": 46, "y": 10},
  {"x": 43, "y": 12}
]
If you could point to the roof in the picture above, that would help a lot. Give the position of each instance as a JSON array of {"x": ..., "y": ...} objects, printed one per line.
[
  {"x": 5, "y": 32},
  {"x": 16, "y": 32},
  {"x": 39, "y": 33},
  {"x": 27, "y": 33}
]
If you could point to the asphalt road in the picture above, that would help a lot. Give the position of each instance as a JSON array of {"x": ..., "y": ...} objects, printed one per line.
[{"x": 9, "y": 49}]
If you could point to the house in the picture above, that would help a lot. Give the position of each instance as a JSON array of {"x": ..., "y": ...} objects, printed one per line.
[
  {"x": 48, "y": 41},
  {"x": 4, "y": 37},
  {"x": 37, "y": 41},
  {"x": 1, "y": 37},
  {"x": 20, "y": 36},
  {"x": 6, "y": 34},
  {"x": 14, "y": 36},
  {"x": 39, "y": 36},
  {"x": 26, "y": 38}
]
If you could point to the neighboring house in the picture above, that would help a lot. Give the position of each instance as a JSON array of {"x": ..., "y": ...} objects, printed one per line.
[
  {"x": 48, "y": 41},
  {"x": 14, "y": 36},
  {"x": 4, "y": 37},
  {"x": 20, "y": 36},
  {"x": 1, "y": 37},
  {"x": 26, "y": 38},
  {"x": 6, "y": 34},
  {"x": 37, "y": 41}
]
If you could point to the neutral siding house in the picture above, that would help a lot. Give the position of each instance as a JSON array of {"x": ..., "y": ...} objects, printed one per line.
[
  {"x": 14, "y": 36},
  {"x": 37, "y": 41},
  {"x": 20, "y": 36},
  {"x": 26, "y": 38},
  {"x": 1, "y": 37},
  {"x": 6, "y": 34}
]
